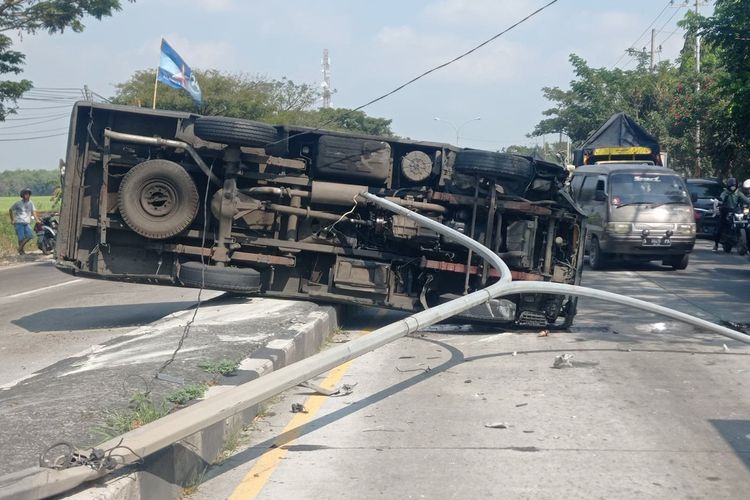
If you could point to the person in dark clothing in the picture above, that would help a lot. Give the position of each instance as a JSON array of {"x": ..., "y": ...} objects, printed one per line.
[{"x": 729, "y": 200}]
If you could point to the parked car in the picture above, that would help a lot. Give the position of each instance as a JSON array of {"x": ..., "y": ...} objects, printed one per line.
[
  {"x": 175, "y": 198},
  {"x": 635, "y": 212},
  {"x": 704, "y": 193}
]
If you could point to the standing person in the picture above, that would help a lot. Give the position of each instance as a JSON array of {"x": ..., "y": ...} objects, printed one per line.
[
  {"x": 21, "y": 213},
  {"x": 729, "y": 200}
]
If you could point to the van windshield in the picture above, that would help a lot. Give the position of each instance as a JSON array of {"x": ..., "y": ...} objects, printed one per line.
[{"x": 631, "y": 189}]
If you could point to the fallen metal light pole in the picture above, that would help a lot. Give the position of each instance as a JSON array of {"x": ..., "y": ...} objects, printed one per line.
[
  {"x": 152, "y": 437},
  {"x": 38, "y": 482},
  {"x": 563, "y": 289}
]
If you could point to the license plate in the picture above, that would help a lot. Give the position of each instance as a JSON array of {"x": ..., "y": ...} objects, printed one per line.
[{"x": 656, "y": 242}]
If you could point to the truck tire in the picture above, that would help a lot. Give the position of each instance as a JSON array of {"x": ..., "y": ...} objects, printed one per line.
[
  {"x": 232, "y": 279},
  {"x": 158, "y": 199},
  {"x": 234, "y": 131},
  {"x": 494, "y": 165}
]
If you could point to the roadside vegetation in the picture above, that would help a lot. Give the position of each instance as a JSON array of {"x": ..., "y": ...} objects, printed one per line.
[
  {"x": 252, "y": 97},
  {"x": 225, "y": 367},
  {"x": 145, "y": 408},
  {"x": 665, "y": 100}
]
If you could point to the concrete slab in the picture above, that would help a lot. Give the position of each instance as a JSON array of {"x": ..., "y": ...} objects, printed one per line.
[{"x": 70, "y": 400}]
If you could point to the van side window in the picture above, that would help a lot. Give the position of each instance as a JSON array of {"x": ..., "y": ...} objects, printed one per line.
[
  {"x": 575, "y": 185},
  {"x": 587, "y": 190}
]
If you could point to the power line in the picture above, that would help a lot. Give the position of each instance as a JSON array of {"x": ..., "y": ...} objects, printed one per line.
[
  {"x": 35, "y": 117},
  {"x": 45, "y": 107},
  {"x": 455, "y": 59},
  {"x": 432, "y": 70},
  {"x": 33, "y": 123},
  {"x": 632, "y": 45},
  {"x": 33, "y": 138},
  {"x": 679, "y": 7},
  {"x": 670, "y": 36},
  {"x": 58, "y": 129}
]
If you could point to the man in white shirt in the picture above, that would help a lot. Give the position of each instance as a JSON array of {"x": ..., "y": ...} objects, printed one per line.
[{"x": 21, "y": 213}]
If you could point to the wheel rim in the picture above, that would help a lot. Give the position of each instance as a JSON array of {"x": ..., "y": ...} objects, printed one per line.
[{"x": 158, "y": 198}]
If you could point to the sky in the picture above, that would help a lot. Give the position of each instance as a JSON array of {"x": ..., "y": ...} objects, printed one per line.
[{"x": 373, "y": 46}]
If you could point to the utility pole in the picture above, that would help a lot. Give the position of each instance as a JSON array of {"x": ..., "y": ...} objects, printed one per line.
[
  {"x": 697, "y": 96},
  {"x": 653, "y": 35},
  {"x": 326, "y": 83}
]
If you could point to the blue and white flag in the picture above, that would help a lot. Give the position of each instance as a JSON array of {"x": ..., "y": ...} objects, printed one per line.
[{"x": 175, "y": 72}]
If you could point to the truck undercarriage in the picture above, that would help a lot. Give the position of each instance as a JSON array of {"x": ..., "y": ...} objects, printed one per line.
[{"x": 179, "y": 199}]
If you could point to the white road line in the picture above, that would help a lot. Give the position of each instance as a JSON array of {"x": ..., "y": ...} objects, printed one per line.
[{"x": 43, "y": 288}]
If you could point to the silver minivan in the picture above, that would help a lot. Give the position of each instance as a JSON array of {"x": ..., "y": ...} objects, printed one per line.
[{"x": 635, "y": 211}]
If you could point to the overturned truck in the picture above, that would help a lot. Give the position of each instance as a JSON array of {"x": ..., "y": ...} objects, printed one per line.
[{"x": 180, "y": 199}]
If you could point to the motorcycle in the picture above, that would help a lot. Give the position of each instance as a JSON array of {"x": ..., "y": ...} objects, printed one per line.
[
  {"x": 46, "y": 233},
  {"x": 736, "y": 233}
]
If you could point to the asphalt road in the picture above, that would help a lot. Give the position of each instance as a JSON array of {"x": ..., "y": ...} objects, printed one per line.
[
  {"x": 46, "y": 315},
  {"x": 649, "y": 408}
]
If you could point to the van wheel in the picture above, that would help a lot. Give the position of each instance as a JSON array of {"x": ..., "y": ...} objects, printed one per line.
[
  {"x": 233, "y": 279},
  {"x": 234, "y": 131},
  {"x": 597, "y": 258},
  {"x": 677, "y": 262},
  {"x": 158, "y": 199}
]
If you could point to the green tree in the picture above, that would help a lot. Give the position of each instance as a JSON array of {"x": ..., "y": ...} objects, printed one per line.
[
  {"x": 727, "y": 37},
  {"x": 32, "y": 16},
  {"x": 250, "y": 97},
  {"x": 41, "y": 182}
]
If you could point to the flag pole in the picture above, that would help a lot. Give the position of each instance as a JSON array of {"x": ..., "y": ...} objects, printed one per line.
[
  {"x": 156, "y": 78},
  {"x": 156, "y": 82}
]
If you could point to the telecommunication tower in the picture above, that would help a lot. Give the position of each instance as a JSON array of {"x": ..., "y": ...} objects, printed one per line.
[{"x": 326, "y": 83}]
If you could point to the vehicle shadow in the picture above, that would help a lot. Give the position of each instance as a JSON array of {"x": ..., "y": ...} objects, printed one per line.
[
  {"x": 736, "y": 433},
  {"x": 97, "y": 317}
]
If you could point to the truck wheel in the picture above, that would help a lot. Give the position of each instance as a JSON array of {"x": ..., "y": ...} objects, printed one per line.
[
  {"x": 678, "y": 262},
  {"x": 233, "y": 279},
  {"x": 494, "y": 165},
  {"x": 597, "y": 259},
  {"x": 234, "y": 131},
  {"x": 158, "y": 199}
]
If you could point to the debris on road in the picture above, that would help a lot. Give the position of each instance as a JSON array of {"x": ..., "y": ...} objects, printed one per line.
[
  {"x": 543, "y": 333},
  {"x": 342, "y": 390},
  {"x": 563, "y": 361},
  {"x": 298, "y": 408},
  {"x": 497, "y": 425}
]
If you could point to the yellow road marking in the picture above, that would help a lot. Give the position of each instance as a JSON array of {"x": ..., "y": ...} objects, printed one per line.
[{"x": 258, "y": 476}]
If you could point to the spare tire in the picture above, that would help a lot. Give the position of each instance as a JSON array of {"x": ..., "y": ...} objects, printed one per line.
[
  {"x": 494, "y": 165},
  {"x": 233, "y": 279},
  {"x": 158, "y": 199},
  {"x": 234, "y": 131}
]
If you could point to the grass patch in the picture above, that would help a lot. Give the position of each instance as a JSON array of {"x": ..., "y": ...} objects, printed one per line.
[
  {"x": 230, "y": 446},
  {"x": 191, "y": 486},
  {"x": 141, "y": 411},
  {"x": 225, "y": 367},
  {"x": 188, "y": 393}
]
